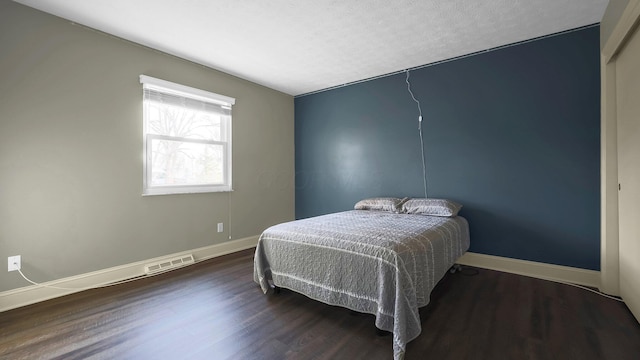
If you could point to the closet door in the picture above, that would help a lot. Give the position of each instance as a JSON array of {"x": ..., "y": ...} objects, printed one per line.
[{"x": 628, "y": 117}]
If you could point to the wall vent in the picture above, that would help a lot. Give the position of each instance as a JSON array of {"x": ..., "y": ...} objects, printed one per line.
[{"x": 168, "y": 264}]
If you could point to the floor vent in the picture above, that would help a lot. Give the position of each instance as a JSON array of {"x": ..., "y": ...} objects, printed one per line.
[{"x": 168, "y": 264}]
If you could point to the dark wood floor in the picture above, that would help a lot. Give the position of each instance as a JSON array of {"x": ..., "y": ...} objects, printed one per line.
[{"x": 214, "y": 310}]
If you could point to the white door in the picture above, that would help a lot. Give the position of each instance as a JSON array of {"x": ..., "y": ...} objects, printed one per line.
[{"x": 628, "y": 117}]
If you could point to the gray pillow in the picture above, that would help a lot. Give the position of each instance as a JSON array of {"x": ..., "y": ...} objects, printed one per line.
[
  {"x": 432, "y": 207},
  {"x": 391, "y": 204}
]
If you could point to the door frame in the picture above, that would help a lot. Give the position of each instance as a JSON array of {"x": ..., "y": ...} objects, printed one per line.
[{"x": 609, "y": 245}]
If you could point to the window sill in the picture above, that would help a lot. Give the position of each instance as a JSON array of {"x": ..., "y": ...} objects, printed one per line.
[{"x": 183, "y": 191}]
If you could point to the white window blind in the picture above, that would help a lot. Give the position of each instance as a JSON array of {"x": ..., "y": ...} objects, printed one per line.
[{"x": 187, "y": 139}]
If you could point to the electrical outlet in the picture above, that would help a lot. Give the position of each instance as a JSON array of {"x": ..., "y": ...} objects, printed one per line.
[
  {"x": 220, "y": 227},
  {"x": 13, "y": 263}
]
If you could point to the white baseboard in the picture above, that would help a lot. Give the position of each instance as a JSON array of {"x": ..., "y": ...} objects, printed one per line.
[
  {"x": 32, "y": 294},
  {"x": 533, "y": 269}
]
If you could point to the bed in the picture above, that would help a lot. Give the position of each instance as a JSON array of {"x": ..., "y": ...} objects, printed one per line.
[{"x": 383, "y": 261}]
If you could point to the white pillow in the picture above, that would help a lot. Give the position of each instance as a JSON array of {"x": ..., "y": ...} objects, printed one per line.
[
  {"x": 391, "y": 204},
  {"x": 432, "y": 207}
]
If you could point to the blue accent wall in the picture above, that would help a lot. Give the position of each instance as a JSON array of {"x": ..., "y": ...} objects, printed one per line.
[{"x": 513, "y": 134}]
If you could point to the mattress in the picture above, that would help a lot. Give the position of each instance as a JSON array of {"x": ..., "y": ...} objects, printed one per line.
[{"x": 375, "y": 262}]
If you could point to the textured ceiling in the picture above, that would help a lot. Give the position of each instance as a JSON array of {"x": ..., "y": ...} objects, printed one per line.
[{"x": 299, "y": 47}]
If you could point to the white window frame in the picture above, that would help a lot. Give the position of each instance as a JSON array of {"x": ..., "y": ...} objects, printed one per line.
[{"x": 197, "y": 94}]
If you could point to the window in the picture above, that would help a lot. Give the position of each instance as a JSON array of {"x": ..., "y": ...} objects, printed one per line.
[{"x": 187, "y": 139}]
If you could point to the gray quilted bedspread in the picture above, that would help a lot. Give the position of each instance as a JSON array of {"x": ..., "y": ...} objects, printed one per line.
[{"x": 373, "y": 262}]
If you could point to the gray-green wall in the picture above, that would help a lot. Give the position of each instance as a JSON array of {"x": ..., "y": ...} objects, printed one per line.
[{"x": 71, "y": 153}]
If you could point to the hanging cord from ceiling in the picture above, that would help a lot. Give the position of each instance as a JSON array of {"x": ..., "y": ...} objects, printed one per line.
[{"x": 424, "y": 164}]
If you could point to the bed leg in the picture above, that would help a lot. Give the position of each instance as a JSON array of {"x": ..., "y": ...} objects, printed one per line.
[
  {"x": 380, "y": 332},
  {"x": 276, "y": 290}
]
